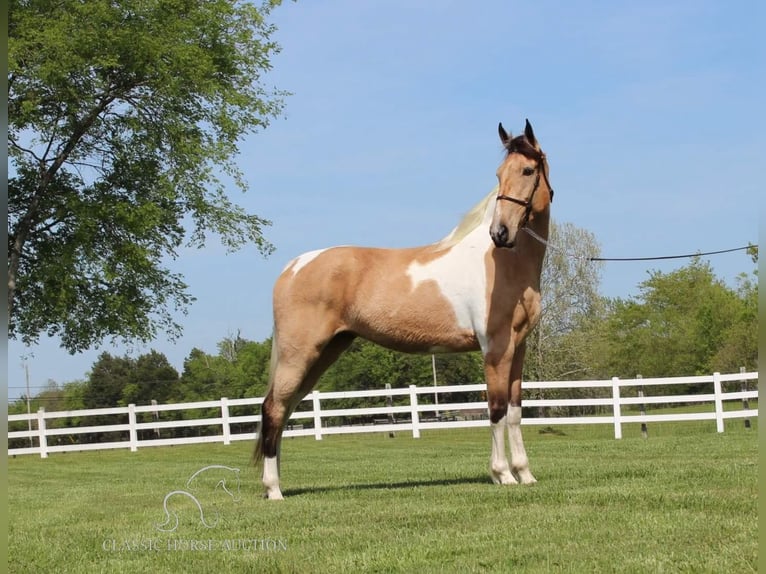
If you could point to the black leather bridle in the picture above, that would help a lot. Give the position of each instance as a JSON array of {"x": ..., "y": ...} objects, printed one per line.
[{"x": 527, "y": 203}]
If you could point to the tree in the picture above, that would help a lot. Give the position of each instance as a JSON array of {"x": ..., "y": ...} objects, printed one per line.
[
  {"x": 570, "y": 299},
  {"x": 241, "y": 369},
  {"x": 53, "y": 397},
  {"x": 459, "y": 368},
  {"x": 119, "y": 381},
  {"x": 685, "y": 322},
  {"x": 124, "y": 118},
  {"x": 151, "y": 378},
  {"x": 254, "y": 361},
  {"x": 106, "y": 381},
  {"x": 739, "y": 344}
]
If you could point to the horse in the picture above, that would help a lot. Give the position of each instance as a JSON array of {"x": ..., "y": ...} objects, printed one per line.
[{"x": 476, "y": 289}]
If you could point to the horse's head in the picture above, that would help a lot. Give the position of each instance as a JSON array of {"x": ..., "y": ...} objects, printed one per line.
[{"x": 524, "y": 192}]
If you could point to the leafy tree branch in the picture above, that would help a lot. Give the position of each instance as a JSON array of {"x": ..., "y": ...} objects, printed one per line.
[{"x": 123, "y": 120}]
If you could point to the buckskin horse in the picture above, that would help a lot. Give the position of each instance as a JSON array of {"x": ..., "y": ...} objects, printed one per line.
[{"x": 476, "y": 289}]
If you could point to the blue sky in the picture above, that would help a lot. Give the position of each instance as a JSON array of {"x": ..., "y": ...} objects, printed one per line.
[{"x": 650, "y": 113}]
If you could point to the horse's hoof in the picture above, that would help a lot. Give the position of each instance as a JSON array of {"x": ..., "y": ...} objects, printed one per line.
[
  {"x": 525, "y": 477},
  {"x": 502, "y": 477},
  {"x": 274, "y": 494}
]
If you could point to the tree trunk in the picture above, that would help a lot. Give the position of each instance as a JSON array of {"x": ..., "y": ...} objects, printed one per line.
[{"x": 32, "y": 215}]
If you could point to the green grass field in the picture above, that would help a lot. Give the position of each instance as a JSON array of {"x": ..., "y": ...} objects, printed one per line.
[{"x": 683, "y": 501}]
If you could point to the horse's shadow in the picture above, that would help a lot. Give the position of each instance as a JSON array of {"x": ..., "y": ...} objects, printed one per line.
[{"x": 387, "y": 485}]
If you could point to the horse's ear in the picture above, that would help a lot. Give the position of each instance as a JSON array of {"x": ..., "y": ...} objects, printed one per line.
[
  {"x": 530, "y": 135},
  {"x": 504, "y": 136}
]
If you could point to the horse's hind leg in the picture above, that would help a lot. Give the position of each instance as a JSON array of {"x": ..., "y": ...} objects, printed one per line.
[
  {"x": 293, "y": 379},
  {"x": 273, "y": 416}
]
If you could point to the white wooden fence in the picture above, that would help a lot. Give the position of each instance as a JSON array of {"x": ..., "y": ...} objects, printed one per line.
[{"x": 412, "y": 416}]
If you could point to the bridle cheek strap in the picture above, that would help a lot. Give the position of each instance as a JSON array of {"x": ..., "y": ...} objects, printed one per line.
[{"x": 527, "y": 203}]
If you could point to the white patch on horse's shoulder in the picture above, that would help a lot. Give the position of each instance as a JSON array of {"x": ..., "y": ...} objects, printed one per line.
[
  {"x": 302, "y": 260},
  {"x": 460, "y": 276}
]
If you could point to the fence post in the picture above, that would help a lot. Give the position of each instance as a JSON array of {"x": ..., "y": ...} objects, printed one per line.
[
  {"x": 390, "y": 404},
  {"x": 132, "y": 431},
  {"x": 317, "y": 415},
  {"x": 225, "y": 420},
  {"x": 642, "y": 407},
  {"x": 745, "y": 404},
  {"x": 718, "y": 402},
  {"x": 616, "y": 410},
  {"x": 414, "y": 412},
  {"x": 156, "y": 417},
  {"x": 41, "y": 433}
]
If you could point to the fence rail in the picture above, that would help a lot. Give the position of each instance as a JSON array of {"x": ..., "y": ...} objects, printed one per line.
[{"x": 410, "y": 414}]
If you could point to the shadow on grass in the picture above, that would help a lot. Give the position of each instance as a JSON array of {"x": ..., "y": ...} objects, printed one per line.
[{"x": 481, "y": 479}]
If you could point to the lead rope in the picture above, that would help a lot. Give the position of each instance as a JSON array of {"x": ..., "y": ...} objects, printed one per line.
[{"x": 545, "y": 242}]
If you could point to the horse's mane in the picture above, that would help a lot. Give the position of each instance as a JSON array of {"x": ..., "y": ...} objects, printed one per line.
[{"x": 470, "y": 221}]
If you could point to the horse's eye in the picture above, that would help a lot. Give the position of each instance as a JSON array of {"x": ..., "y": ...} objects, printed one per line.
[{"x": 528, "y": 171}]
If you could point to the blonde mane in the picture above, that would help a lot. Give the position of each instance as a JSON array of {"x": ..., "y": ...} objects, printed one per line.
[{"x": 470, "y": 221}]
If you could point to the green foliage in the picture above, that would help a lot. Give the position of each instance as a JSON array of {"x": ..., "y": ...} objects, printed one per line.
[
  {"x": 739, "y": 343},
  {"x": 107, "y": 379},
  {"x": 682, "y": 323},
  {"x": 123, "y": 119},
  {"x": 152, "y": 377},
  {"x": 119, "y": 381},
  {"x": 241, "y": 369},
  {"x": 53, "y": 397},
  {"x": 366, "y": 365}
]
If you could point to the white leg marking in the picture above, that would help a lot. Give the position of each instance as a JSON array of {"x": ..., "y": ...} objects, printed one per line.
[
  {"x": 519, "y": 460},
  {"x": 271, "y": 478},
  {"x": 498, "y": 463}
]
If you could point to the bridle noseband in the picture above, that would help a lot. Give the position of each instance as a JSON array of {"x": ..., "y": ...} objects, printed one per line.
[{"x": 527, "y": 203}]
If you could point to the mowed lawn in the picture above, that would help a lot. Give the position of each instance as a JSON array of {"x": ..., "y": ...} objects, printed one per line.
[{"x": 685, "y": 500}]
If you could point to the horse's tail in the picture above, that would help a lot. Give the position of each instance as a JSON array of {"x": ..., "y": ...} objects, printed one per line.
[{"x": 263, "y": 427}]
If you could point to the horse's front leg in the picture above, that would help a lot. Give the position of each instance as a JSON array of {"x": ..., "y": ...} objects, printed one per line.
[
  {"x": 497, "y": 371},
  {"x": 519, "y": 460}
]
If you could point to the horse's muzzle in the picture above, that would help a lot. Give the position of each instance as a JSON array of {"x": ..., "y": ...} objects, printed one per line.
[{"x": 501, "y": 237}]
